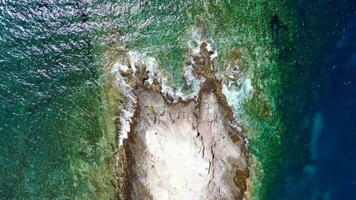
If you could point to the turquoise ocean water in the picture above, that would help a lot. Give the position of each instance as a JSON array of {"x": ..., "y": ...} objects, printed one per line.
[{"x": 56, "y": 142}]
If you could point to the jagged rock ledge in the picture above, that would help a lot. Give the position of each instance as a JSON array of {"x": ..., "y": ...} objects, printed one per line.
[{"x": 174, "y": 145}]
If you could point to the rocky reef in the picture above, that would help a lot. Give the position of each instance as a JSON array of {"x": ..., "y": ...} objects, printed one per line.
[{"x": 175, "y": 143}]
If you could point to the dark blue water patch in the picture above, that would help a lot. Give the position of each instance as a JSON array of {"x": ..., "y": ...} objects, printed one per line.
[
  {"x": 336, "y": 146},
  {"x": 329, "y": 172},
  {"x": 320, "y": 160}
]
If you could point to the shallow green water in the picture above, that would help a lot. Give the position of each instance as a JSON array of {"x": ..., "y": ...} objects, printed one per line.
[{"x": 55, "y": 143}]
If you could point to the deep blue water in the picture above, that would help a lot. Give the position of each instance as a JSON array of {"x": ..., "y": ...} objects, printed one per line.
[
  {"x": 335, "y": 88},
  {"x": 328, "y": 168}
]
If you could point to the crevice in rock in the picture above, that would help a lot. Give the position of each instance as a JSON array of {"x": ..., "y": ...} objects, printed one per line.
[{"x": 179, "y": 147}]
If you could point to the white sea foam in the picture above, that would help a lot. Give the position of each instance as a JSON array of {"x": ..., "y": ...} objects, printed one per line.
[
  {"x": 237, "y": 87},
  {"x": 235, "y": 97},
  {"x": 154, "y": 74},
  {"x": 127, "y": 109}
]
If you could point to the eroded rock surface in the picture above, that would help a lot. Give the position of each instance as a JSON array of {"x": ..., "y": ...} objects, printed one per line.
[
  {"x": 184, "y": 151},
  {"x": 178, "y": 147}
]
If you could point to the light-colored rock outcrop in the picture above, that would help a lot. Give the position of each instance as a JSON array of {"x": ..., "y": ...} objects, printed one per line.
[{"x": 173, "y": 145}]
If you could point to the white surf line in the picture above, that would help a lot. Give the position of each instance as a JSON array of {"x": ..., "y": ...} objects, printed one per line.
[
  {"x": 177, "y": 142},
  {"x": 237, "y": 92},
  {"x": 134, "y": 57},
  {"x": 237, "y": 87},
  {"x": 128, "y": 108}
]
